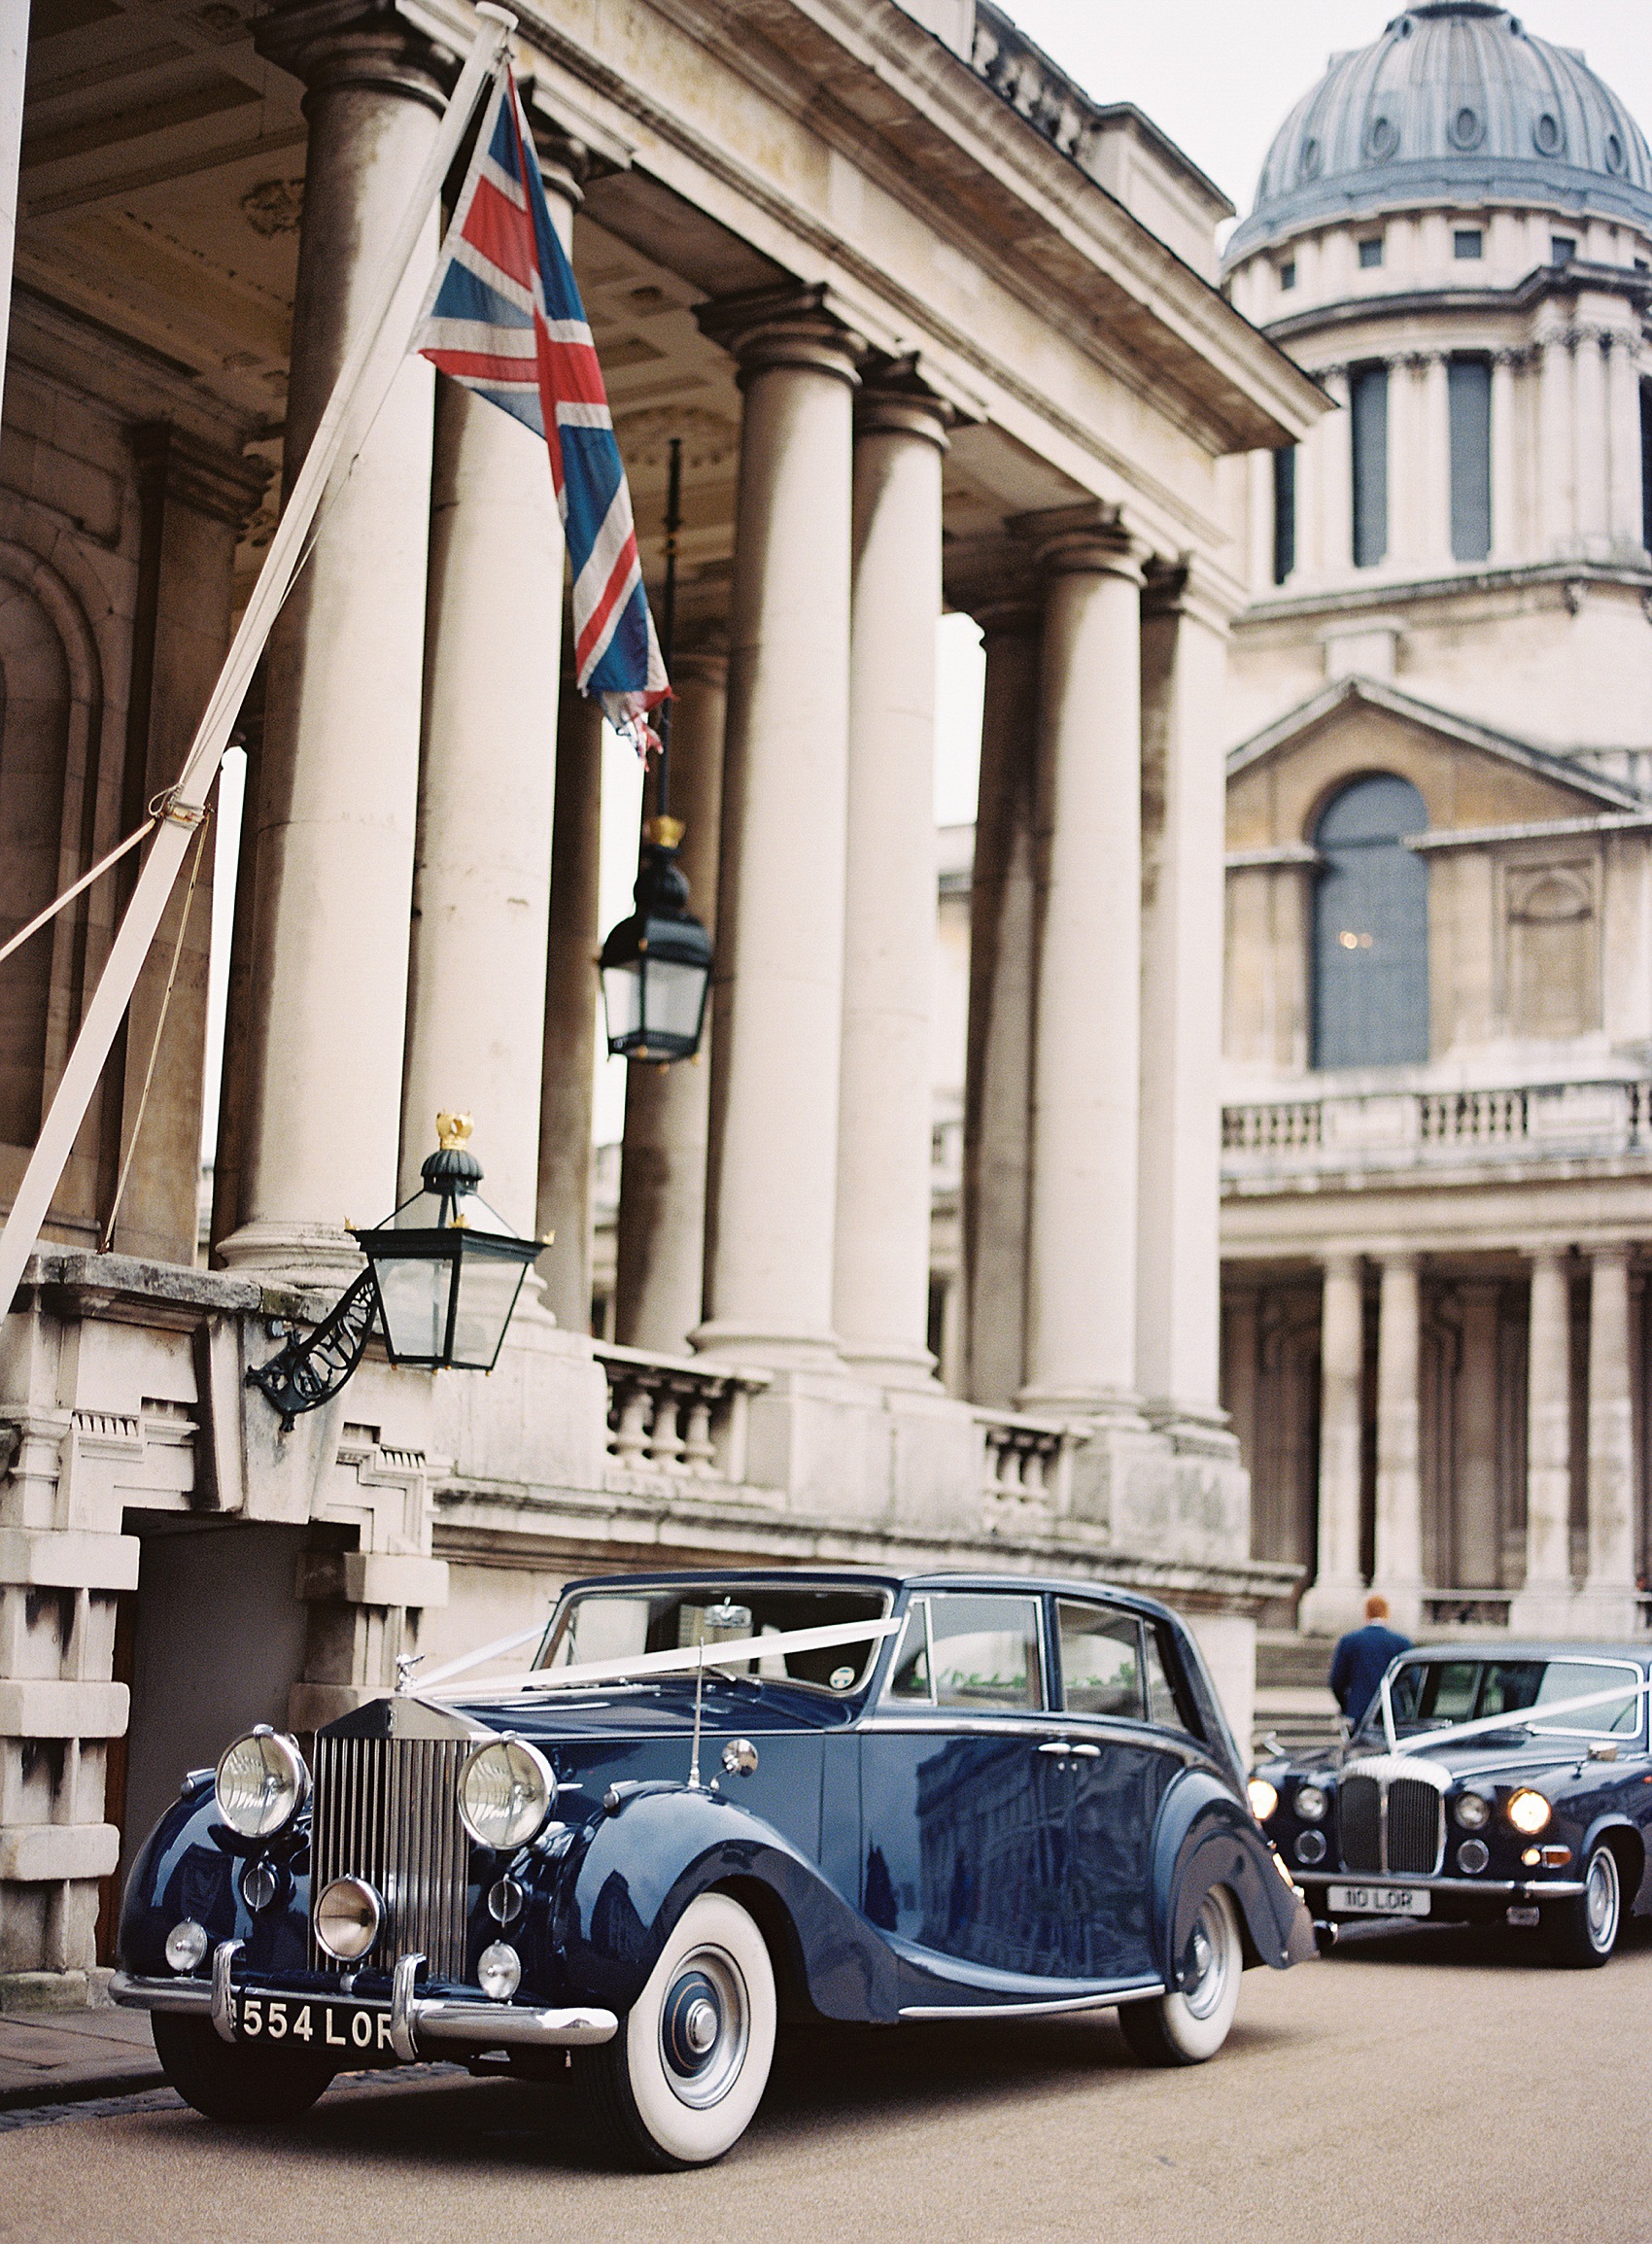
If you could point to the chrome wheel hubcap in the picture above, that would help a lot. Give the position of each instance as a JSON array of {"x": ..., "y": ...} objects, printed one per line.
[
  {"x": 704, "y": 2024},
  {"x": 1204, "y": 1964},
  {"x": 1600, "y": 1899}
]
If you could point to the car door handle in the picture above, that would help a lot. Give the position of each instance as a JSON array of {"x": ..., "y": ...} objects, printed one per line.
[{"x": 1065, "y": 1751}]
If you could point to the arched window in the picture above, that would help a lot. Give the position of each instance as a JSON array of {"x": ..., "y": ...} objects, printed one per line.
[{"x": 1371, "y": 929}]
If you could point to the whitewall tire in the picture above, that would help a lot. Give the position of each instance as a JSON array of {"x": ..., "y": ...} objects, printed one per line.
[
  {"x": 1186, "y": 2027},
  {"x": 679, "y": 2082}
]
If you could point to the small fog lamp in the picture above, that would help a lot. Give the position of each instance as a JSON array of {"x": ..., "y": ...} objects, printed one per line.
[
  {"x": 498, "y": 1971},
  {"x": 1311, "y": 1803},
  {"x": 348, "y": 1916},
  {"x": 1263, "y": 1798},
  {"x": 262, "y": 1783},
  {"x": 1528, "y": 1812},
  {"x": 505, "y": 1792},
  {"x": 186, "y": 1945}
]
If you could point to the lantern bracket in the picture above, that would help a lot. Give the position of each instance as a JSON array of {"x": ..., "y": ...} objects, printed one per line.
[{"x": 315, "y": 1365}]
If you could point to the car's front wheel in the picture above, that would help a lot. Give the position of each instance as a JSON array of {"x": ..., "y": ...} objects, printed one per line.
[
  {"x": 228, "y": 2082},
  {"x": 1582, "y": 1930},
  {"x": 679, "y": 2082},
  {"x": 1189, "y": 2025}
]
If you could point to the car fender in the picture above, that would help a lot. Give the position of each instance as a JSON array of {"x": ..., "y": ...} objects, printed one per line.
[
  {"x": 1206, "y": 1838},
  {"x": 1613, "y": 1823},
  {"x": 638, "y": 1869}
]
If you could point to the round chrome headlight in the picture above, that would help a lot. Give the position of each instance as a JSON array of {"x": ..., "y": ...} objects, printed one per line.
[
  {"x": 261, "y": 1784},
  {"x": 1263, "y": 1798},
  {"x": 1311, "y": 1803},
  {"x": 347, "y": 1919},
  {"x": 505, "y": 1792},
  {"x": 1528, "y": 1812},
  {"x": 1472, "y": 1813}
]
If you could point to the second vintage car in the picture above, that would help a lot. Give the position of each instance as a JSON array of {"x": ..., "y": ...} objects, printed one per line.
[
  {"x": 715, "y": 1802},
  {"x": 1508, "y": 1785}
]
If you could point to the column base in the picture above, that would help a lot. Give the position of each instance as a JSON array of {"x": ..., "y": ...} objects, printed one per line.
[
  {"x": 1103, "y": 1408},
  {"x": 1610, "y": 1611},
  {"x": 1195, "y": 1429},
  {"x": 890, "y": 1362},
  {"x": 766, "y": 1348},
  {"x": 1543, "y": 1609},
  {"x": 316, "y": 1254},
  {"x": 1330, "y": 1608}
]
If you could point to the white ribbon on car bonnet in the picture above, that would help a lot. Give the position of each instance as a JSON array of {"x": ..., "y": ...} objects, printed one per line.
[{"x": 683, "y": 1661}]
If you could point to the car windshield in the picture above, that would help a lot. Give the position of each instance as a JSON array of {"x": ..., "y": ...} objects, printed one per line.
[
  {"x": 622, "y": 1624},
  {"x": 1436, "y": 1694}
]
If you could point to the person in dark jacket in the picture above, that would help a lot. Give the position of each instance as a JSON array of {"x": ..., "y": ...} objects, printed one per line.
[{"x": 1361, "y": 1660}]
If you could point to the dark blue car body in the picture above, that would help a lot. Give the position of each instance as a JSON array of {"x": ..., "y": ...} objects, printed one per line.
[{"x": 902, "y": 1859}]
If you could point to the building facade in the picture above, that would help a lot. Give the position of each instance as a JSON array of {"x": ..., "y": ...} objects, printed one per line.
[
  {"x": 1438, "y": 1118},
  {"x": 930, "y": 326}
]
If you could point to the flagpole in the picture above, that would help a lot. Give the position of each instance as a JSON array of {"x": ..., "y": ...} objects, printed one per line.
[{"x": 363, "y": 381}]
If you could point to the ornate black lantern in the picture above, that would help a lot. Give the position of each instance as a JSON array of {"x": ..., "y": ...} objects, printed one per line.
[
  {"x": 657, "y": 965},
  {"x": 442, "y": 1282}
]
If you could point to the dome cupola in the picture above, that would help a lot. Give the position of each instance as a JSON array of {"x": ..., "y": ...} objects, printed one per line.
[{"x": 1456, "y": 101}]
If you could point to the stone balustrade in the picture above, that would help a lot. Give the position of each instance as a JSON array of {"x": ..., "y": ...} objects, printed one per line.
[
  {"x": 1270, "y": 1140},
  {"x": 679, "y": 1415},
  {"x": 1026, "y": 1471}
]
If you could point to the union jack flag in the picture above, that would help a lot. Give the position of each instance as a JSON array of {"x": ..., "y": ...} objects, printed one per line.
[{"x": 502, "y": 315}]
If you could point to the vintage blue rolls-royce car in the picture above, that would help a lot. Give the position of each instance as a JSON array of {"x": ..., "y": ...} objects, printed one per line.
[
  {"x": 1482, "y": 1787},
  {"x": 715, "y": 1802}
]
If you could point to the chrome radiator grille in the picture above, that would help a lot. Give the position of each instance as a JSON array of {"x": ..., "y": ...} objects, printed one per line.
[
  {"x": 386, "y": 1809},
  {"x": 1390, "y": 1823},
  {"x": 1359, "y": 1822}
]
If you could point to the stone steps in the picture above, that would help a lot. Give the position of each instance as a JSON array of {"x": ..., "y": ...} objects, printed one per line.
[{"x": 1294, "y": 1702}]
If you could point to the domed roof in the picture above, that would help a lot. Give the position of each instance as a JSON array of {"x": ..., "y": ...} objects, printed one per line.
[{"x": 1456, "y": 100}]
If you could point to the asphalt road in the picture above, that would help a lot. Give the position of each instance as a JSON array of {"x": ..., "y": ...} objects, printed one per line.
[{"x": 1430, "y": 2086}]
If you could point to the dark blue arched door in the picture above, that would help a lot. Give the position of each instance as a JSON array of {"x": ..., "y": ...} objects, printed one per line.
[{"x": 1371, "y": 928}]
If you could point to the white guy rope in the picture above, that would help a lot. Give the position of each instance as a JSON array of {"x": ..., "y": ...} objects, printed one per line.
[{"x": 17, "y": 942}]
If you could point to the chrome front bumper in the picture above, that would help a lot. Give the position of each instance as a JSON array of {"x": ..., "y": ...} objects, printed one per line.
[
  {"x": 1315, "y": 1883},
  {"x": 420, "y": 2025}
]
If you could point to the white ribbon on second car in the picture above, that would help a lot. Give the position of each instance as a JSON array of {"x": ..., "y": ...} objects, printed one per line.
[
  {"x": 641, "y": 1665},
  {"x": 1517, "y": 1719}
]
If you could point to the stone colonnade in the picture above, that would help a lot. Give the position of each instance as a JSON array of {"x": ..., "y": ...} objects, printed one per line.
[
  {"x": 1564, "y": 466},
  {"x": 775, "y": 1204},
  {"x": 1556, "y": 1596}
]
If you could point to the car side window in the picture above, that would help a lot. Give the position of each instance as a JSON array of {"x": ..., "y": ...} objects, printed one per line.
[
  {"x": 970, "y": 1651},
  {"x": 1101, "y": 1660},
  {"x": 1163, "y": 1705}
]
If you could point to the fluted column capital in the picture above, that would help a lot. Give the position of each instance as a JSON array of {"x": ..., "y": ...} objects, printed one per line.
[
  {"x": 762, "y": 329},
  {"x": 1089, "y": 539},
  {"x": 894, "y": 400}
]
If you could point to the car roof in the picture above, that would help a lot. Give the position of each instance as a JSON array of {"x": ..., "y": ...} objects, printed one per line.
[
  {"x": 869, "y": 1577},
  {"x": 1575, "y": 1649}
]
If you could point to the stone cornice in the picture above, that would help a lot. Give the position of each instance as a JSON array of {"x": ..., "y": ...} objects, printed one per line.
[
  {"x": 1542, "y": 284},
  {"x": 1358, "y": 600},
  {"x": 1045, "y": 230}
]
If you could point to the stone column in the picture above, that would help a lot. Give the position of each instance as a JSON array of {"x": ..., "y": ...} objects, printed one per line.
[
  {"x": 340, "y": 767},
  {"x": 1627, "y": 522},
  {"x": 1334, "y": 473},
  {"x": 1002, "y": 947},
  {"x": 1609, "y": 1596},
  {"x": 1183, "y": 813},
  {"x": 1476, "y": 1543},
  {"x": 1590, "y": 437},
  {"x": 1333, "y": 1601},
  {"x": 569, "y": 1046},
  {"x": 1400, "y": 1484},
  {"x": 1556, "y": 518},
  {"x": 1545, "y": 1604},
  {"x": 1087, "y": 1037},
  {"x": 1505, "y": 455},
  {"x": 202, "y": 501},
  {"x": 778, "y": 989},
  {"x": 881, "y": 1287},
  {"x": 487, "y": 781},
  {"x": 660, "y": 1285},
  {"x": 1434, "y": 461},
  {"x": 14, "y": 62}
]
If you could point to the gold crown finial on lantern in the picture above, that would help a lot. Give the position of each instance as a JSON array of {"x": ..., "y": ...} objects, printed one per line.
[
  {"x": 452, "y": 1129},
  {"x": 665, "y": 832}
]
